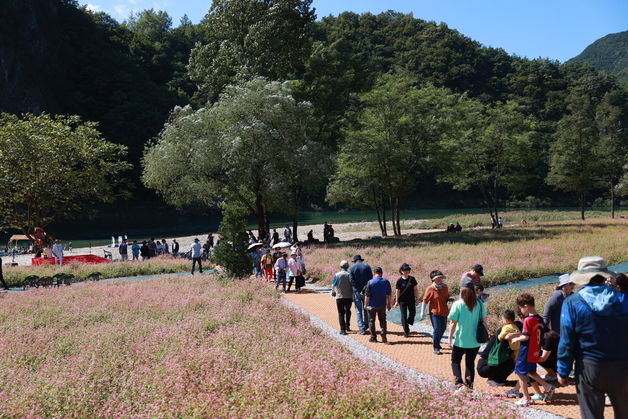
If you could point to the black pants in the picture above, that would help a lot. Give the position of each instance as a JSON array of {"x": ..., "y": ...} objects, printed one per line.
[
  {"x": 408, "y": 311},
  {"x": 381, "y": 316},
  {"x": 596, "y": 378},
  {"x": 469, "y": 362},
  {"x": 498, "y": 373},
  {"x": 344, "y": 312},
  {"x": 194, "y": 262}
]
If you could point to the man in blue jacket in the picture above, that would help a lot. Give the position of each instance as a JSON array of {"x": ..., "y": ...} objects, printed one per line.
[
  {"x": 594, "y": 334},
  {"x": 359, "y": 274}
]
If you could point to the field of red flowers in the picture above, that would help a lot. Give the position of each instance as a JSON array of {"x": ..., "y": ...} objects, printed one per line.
[{"x": 193, "y": 347}]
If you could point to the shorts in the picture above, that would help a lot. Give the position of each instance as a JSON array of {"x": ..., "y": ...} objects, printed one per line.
[{"x": 524, "y": 367}]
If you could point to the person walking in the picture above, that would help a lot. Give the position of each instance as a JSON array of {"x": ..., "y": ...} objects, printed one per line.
[
  {"x": 435, "y": 298},
  {"x": 472, "y": 277},
  {"x": 551, "y": 311},
  {"x": 145, "y": 251},
  {"x": 464, "y": 317},
  {"x": 196, "y": 253},
  {"x": 123, "y": 249},
  {"x": 287, "y": 234},
  {"x": 359, "y": 274},
  {"x": 210, "y": 240},
  {"x": 275, "y": 236},
  {"x": 165, "y": 246},
  {"x": 135, "y": 250},
  {"x": 57, "y": 252},
  {"x": 296, "y": 272},
  {"x": 378, "y": 299},
  {"x": 593, "y": 333},
  {"x": 267, "y": 265},
  {"x": 152, "y": 248},
  {"x": 406, "y": 297},
  {"x": 175, "y": 248},
  {"x": 342, "y": 290},
  {"x": 280, "y": 270}
]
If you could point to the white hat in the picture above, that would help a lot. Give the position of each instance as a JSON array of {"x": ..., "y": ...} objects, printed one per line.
[
  {"x": 588, "y": 267},
  {"x": 564, "y": 279},
  {"x": 344, "y": 264}
]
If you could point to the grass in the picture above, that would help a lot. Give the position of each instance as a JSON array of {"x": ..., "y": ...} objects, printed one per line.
[
  {"x": 194, "y": 347},
  {"x": 14, "y": 275},
  {"x": 507, "y": 255}
]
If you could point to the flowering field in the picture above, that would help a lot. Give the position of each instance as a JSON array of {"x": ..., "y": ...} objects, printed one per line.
[
  {"x": 14, "y": 275},
  {"x": 507, "y": 255},
  {"x": 192, "y": 347}
]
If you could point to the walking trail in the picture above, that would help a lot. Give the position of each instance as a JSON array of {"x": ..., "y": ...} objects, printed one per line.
[{"x": 416, "y": 352}]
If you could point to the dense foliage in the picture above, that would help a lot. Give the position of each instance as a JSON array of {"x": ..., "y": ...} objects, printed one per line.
[
  {"x": 129, "y": 75},
  {"x": 52, "y": 167}
]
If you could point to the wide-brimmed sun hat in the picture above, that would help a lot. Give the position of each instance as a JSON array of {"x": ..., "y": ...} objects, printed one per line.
[
  {"x": 588, "y": 267},
  {"x": 564, "y": 279},
  {"x": 357, "y": 257}
]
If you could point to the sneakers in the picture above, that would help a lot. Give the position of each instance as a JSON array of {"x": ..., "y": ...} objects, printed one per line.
[
  {"x": 524, "y": 402},
  {"x": 460, "y": 388},
  {"x": 513, "y": 394},
  {"x": 549, "y": 378},
  {"x": 385, "y": 341},
  {"x": 343, "y": 332},
  {"x": 437, "y": 352},
  {"x": 363, "y": 332},
  {"x": 372, "y": 339},
  {"x": 538, "y": 397},
  {"x": 406, "y": 334}
]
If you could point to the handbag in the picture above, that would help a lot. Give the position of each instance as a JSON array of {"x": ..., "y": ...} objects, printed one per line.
[{"x": 482, "y": 332}]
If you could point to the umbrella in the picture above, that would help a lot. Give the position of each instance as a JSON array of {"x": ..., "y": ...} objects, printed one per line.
[
  {"x": 282, "y": 245},
  {"x": 254, "y": 245}
]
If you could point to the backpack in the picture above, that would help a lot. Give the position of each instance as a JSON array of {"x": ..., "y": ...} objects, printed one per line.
[{"x": 500, "y": 352}]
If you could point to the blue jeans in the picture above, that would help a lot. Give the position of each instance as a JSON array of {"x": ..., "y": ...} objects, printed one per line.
[
  {"x": 439, "y": 324},
  {"x": 281, "y": 277},
  {"x": 361, "y": 314}
]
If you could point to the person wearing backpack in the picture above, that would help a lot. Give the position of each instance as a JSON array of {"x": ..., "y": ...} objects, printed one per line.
[
  {"x": 406, "y": 298},
  {"x": 501, "y": 354}
]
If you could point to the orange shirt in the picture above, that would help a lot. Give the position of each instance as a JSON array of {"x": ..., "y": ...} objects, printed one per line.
[{"x": 437, "y": 300}]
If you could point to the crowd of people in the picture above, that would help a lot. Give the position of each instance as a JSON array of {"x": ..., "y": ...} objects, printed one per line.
[
  {"x": 283, "y": 267},
  {"x": 582, "y": 333}
]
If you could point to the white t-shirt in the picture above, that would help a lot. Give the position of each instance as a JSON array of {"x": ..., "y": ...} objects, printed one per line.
[
  {"x": 57, "y": 250},
  {"x": 196, "y": 250}
]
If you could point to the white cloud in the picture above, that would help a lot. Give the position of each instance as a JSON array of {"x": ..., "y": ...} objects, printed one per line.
[
  {"x": 93, "y": 7},
  {"x": 121, "y": 11}
]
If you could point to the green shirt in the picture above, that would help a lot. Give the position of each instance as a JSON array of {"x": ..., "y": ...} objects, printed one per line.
[{"x": 467, "y": 323}]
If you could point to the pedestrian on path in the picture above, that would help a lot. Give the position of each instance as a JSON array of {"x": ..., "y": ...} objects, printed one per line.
[
  {"x": 378, "y": 299},
  {"x": 360, "y": 274},
  {"x": 280, "y": 269},
  {"x": 196, "y": 253},
  {"x": 145, "y": 251},
  {"x": 342, "y": 290},
  {"x": 135, "y": 250},
  {"x": 530, "y": 341},
  {"x": 267, "y": 265},
  {"x": 464, "y": 317},
  {"x": 551, "y": 311},
  {"x": 472, "y": 277},
  {"x": 57, "y": 252},
  {"x": 435, "y": 298},
  {"x": 593, "y": 333},
  {"x": 123, "y": 249},
  {"x": 406, "y": 297},
  {"x": 296, "y": 272}
]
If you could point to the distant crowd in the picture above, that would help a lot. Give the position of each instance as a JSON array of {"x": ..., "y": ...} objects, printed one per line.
[{"x": 582, "y": 334}]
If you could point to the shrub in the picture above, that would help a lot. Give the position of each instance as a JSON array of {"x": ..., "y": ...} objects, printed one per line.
[{"x": 231, "y": 252}]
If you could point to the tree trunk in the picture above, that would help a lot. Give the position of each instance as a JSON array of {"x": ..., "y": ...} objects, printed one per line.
[
  {"x": 385, "y": 230},
  {"x": 612, "y": 201},
  {"x": 260, "y": 214},
  {"x": 295, "y": 223},
  {"x": 379, "y": 220},
  {"x": 397, "y": 215},
  {"x": 392, "y": 215},
  {"x": 581, "y": 199},
  {"x": 4, "y": 284}
]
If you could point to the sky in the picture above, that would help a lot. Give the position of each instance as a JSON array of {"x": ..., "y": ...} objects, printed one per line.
[{"x": 554, "y": 29}]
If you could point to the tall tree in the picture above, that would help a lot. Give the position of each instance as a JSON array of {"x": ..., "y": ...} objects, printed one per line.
[
  {"x": 54, "y": 167},
  {"x": 574, "y": 166},
  {"x": 236, "y": 149},
  {"x": 249, "y": 38},
  {"x": 490, "y": 151},
  {"x": 612, "y": 123}
]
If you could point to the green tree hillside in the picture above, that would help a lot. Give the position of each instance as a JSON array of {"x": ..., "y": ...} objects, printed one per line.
[{"x": 608, "y": 54}]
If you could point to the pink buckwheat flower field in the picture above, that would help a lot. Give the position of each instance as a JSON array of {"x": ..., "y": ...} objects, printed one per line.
[
  {"x": 507, "y": 255},
  {"x": 193, "y": 347}
]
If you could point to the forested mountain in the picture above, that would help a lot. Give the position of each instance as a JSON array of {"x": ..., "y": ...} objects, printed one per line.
[
  {"x": 608, "y": 54},
  {"x": 59, "y": 58}
]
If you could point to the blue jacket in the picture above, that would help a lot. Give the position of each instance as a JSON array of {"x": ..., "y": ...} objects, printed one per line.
[
  {"x": 359, "y": 274},
  {"x": 594, "y": 326}
]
